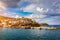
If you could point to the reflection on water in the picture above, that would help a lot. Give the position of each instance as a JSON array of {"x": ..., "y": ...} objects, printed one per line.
[{"x": 29, "y": 34}]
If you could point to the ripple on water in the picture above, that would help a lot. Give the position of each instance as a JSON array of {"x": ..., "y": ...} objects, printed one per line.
[{"x": 29, "y": 34}]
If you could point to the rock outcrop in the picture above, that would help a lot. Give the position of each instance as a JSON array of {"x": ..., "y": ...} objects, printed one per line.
[{"x": 19, "y": 22}]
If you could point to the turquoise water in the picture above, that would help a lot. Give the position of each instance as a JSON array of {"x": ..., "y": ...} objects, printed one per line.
[{"x": 29, "y": 34}]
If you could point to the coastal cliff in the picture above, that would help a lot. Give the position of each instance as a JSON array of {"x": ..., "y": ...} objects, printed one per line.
[{"x": 19, "y": 22}]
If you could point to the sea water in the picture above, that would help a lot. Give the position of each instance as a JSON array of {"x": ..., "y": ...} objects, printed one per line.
[{"x": 28, "y": 34}]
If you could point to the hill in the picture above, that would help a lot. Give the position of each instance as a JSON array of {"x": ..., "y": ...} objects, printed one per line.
[{"x": 18, "y": 22}]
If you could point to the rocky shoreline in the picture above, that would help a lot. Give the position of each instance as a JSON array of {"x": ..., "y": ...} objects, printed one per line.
[{"x": 23, "y": 23}]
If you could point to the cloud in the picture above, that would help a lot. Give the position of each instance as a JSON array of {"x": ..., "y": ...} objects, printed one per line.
[
  {"x": 30, "y": 1},
  {"x": 57, "y": 11},
  {"x": 6, "y": 13},
  {"x": 36, "y": 16},
  {"x": 29, "y": 8},
  {"x": 41, "y": 9},
  {"x": 2, "y": 5},
  {"x": 10, "y": 3},
  {"x": 33, "y": 5},
  {"x": 54, "y": 20},
  {"x": 56, "y": 6},
  {"x": 51, "y": 19},
  {"x": 42, "y": 6},
  {"x": 34, "y": 8}
]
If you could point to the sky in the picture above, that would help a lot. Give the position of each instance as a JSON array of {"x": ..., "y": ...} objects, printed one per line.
[{"x": 43, "y": 11}]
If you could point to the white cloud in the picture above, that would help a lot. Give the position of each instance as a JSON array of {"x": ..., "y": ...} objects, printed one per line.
[
  {"x": 34, "y": 8},
  {"x": 42, "y": 6},
  {"x": 41, "y": 10},
  {"x": 29, "y": 8},
  {"x": 36, "y": 16}
]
